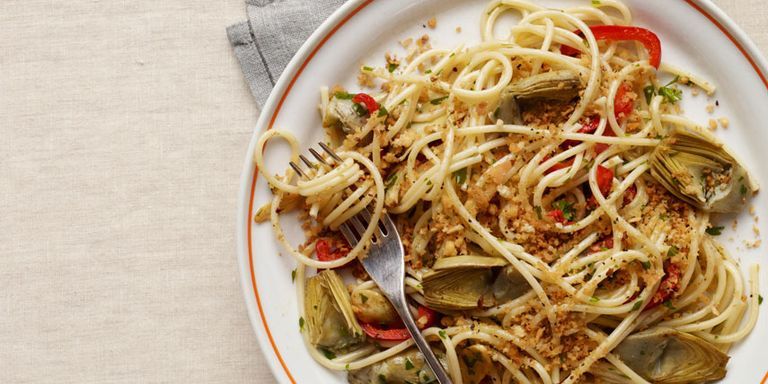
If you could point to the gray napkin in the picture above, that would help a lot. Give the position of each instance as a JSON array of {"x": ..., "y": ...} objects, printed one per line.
[{"x": 275, "y": 30}]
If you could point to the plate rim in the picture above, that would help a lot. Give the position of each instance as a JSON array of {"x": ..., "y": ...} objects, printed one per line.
[{"x": 271, "y": 109}]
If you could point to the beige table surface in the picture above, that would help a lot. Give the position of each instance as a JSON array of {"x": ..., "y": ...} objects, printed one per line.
[{"x": 123, "y": 128}]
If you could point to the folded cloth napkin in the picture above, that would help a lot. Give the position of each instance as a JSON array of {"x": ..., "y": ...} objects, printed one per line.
[{"x": 275, "y": 30}]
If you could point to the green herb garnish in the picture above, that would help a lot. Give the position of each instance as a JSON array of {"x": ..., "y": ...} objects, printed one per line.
[
  {"x": 646, "y": 264},
  {"x": 360, "y": 109},
  {"x": 367, "y": 68},
  {"x": 392, "y": 66},
  {"x": 438, "y": 100},
  {"x": 301, "y": 323},
  {"x": 637, "y": 305},
  {"x": 382, "y": 111},
  {"x": 408, "y": 364},
  {"x": 343, "y": 95},
  {"x": 442, "y": 334},
  {"x": 566, "y": 208},
  {"x": 715, "y": 231},
  {"x": 673, "y": 250},
  {"x": 328, "y": 354},
  {"x": 460, "y": 176},
  {"x": 669, "y": 305}
]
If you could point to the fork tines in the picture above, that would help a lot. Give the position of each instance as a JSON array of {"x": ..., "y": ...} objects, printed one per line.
[{"x": 317, "y": 156}]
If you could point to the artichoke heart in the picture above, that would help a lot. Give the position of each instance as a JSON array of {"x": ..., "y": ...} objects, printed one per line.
[
  {"x": 697, "y": 168},
  {"x": 476, "y": 363},
  {"x": 406, "y": 367},
  {"x": 341, "y": 113},
  {"x": 461, "y": 282},
  {"x": 562, "y": 85},
  {"x": 330, "y": 320},
  {"x": 666, "y": 356}
]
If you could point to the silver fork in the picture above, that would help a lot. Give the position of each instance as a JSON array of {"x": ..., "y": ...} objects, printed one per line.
[{"x": 385, "y": 264}]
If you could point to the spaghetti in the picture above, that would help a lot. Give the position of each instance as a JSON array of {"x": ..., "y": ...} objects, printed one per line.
[{"x": 541, "y": 246}]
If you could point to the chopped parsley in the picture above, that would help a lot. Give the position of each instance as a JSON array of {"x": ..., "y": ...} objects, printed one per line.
[
  {"x": 460, "y": 176},
  {"x": 671, "y": 94},
  {"x": 382, "y": 111},
  {"x": 594, "y": 299},
  {"x": 759, "y": 299},
  {"x": 293, "y": 276},
  {"x": 673, "y": 251},
  {"x": 646, "y": 264},
  {"x": 538, "y": 212},
  {"x": 408, "y": 364},
  {"x": 743, "y": 190},
  {"x": 715, "y": 231},
  {"x": 442, "y": 334},
  {"x": 391, "y": 180},
  {"x": 438, "y": 100},
  {"x": 367, "y": 68},
  {"x": 566, "y": 208},
  {"x": 392, "y": 66},
  {"x": 637, "y": 305},
  {"x": 669, "y": 305},
  {"x": 650, "y": 92},
  {"x": 328, "y": 354},
  {"x": 360, "y": 109},
  {"x": 428, "y": 71},
  {"x": 301, "y": 323},
  {"x": 595, "y": 2},
  {"x": 343, "y": 95},
  {"x": 364, "y": 298}
]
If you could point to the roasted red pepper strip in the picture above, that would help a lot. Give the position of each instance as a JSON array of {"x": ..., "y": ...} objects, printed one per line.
[
  {"x": 329, "y": 249},
  {"x": 397, "y": 334},
  {"x": 630, "y": 194},
  {"x": 670, "y": 283},
  {"x": 604, "y": 180},
  {"x": 557, "y": 215},
  {"x": 426, "y": 318},
  {"x": 370, "y": 104},
  {"x": 624, "y": 103},
  {"x": 649, "y": 39},
  {"x": 558, "y": 166}
]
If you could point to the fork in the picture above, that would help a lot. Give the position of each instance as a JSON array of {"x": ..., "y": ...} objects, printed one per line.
[{"x": 385, "y": 263}]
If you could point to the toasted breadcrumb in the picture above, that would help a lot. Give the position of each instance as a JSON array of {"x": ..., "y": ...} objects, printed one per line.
[
  {"x": 458, "y": 29},
  {"x": 710, "y": 108},
  {"x": 712, "y": 124},
  {"x": 724, "y": 122},
  {"x": 432, "y": 23}
]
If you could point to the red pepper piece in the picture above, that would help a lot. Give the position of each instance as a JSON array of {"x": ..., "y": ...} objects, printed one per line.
[
  {"x": 369, "y": 102},
  {"x": 558, "y": 166},
  {"x": 649, "y": 39},
  {"x": 604, "y": 180},
  {"x": 601, "y": 147},
  {"x": 670, "y": 283},
  {"x": 426, "y": 318},
  {"x": 329, "y": 249},
  {"x": 630, "y": 194},
  {"x": 397, "y": 334},
  {"x": 557, "y": 215},
  {"x": 624, "y": 103},
  {"x": 605, "y": 242}
]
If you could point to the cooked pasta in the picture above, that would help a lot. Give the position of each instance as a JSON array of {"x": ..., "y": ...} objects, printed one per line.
[{"x": 553, "y": 201}]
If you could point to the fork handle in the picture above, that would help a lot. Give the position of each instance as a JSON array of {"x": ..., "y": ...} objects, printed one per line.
[{"x": 401, "y": 306}]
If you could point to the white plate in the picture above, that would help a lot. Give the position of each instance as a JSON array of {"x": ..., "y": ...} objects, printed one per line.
[{"x": 695, "y": 35}]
